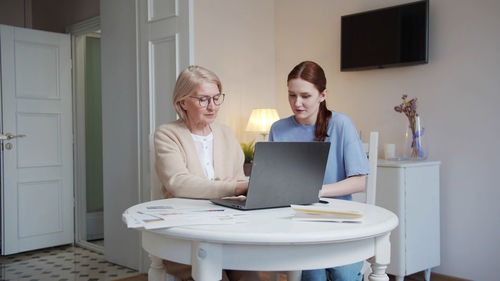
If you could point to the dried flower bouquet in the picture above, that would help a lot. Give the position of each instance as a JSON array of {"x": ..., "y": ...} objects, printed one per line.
[{"x": 409, "y": 108}]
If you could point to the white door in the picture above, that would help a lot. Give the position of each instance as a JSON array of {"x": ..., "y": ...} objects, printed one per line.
[{"x": 37, "y": 169}]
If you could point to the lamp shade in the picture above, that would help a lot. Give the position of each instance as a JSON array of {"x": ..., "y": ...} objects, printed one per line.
[{"x": 261, "y": 119}]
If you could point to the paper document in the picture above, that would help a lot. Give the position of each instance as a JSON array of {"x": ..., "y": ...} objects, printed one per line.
[
  {"x": 328, "y": 212},
  {"x": 153, "y": 217}
]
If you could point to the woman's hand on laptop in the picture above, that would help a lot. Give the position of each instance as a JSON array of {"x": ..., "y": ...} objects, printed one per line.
[{"x": 241, "y": 186}]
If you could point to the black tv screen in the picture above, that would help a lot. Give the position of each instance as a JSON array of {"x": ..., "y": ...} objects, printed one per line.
[{"x": 393, "y": 36}]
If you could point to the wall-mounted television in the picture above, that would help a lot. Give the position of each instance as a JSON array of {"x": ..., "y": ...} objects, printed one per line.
[{"x": 393, "y": 36}]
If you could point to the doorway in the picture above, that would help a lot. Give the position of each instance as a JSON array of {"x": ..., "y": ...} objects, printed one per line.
[{"x": 86, "y": 54}]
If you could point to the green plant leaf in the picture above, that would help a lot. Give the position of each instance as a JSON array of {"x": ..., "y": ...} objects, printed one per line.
[{"x": 248, "y": 150}]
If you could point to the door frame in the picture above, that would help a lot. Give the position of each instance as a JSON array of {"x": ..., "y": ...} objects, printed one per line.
[
  {"x": 148, "y": 37},
  {"x": 86, "y": 27}
]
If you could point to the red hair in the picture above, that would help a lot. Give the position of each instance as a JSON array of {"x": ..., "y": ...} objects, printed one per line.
[{"x": 314, "y": 74}]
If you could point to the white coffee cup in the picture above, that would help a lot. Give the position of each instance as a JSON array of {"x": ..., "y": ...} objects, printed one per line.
[{"x": 389, "y": 151}]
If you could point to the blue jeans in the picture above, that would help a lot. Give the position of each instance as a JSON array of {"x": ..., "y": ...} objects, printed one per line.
[{"x": 350, "y": 272}]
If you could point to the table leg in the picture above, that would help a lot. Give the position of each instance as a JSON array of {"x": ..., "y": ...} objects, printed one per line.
[
  {"x": 156, "y": 270},
  {"x": 378, "y": 273},
  {"x": 274, "y": 275},
  {"x": 381, "y": 259},
  {"x": 290, "y": 275},
  {"x": 206, "y": 261},
  {"x": 428, "y": 274}
]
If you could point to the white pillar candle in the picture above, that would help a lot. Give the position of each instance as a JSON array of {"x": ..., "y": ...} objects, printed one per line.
[{"x": 389, "y": 151}]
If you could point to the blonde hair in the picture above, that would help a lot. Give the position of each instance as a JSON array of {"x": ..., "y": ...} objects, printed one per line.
[{"x": 188, "y": 81}]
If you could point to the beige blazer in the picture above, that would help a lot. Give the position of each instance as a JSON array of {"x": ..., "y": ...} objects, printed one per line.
[{"x": 179, "y": 169}]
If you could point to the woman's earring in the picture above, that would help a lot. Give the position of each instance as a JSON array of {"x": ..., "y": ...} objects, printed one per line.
[{"x": 182, "y": 104}]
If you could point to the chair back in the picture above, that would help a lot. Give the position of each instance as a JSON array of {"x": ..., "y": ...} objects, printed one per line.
[{"x": 368, "y": 196}]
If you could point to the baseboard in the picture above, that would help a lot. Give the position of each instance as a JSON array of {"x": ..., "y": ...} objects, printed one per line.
[
  {"x": 420, "y": 276},
  {"x": 139, "y": 277},
  {"x": 442, "y": 277}
]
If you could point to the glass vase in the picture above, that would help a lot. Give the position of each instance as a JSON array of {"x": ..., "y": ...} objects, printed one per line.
[{"x": 415, "y": 148}]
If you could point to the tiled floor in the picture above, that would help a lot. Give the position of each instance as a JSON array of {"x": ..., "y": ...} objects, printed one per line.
[
  {"x": 65, "y": 263},
  {"x": 68, "y": 263}
]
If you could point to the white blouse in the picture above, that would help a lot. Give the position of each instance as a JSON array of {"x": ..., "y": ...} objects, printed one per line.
[{"x": 205, "y": 148}]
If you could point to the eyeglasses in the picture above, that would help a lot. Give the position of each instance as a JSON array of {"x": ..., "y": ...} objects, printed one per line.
[{"x": 205, "y": 100}]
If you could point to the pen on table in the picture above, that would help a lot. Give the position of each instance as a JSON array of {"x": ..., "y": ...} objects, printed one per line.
[{"x": 212, "y": 210}]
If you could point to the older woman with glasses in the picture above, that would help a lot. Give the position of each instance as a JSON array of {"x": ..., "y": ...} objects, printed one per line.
[{"x": 197, "y": 157}]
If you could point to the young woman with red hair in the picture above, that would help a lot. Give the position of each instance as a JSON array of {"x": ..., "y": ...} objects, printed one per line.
[{"x": 347, "y": 164}]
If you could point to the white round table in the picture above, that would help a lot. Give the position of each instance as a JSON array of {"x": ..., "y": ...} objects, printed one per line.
[{"x": 271, "y": 241}]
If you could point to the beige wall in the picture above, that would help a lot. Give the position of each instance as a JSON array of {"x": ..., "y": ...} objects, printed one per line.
[
  {"x": 235, "y": 39},
  {"x": 458, "y": 92}
]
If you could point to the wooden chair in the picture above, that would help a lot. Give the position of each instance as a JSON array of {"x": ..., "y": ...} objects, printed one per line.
[
  {"x": 371, "y": 149},
  {"x": 157, "y": 269},
  {"x": 368, "y": 196}
]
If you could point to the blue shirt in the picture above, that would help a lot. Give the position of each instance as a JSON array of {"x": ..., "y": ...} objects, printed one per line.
[{"x": 346, "y": 157}]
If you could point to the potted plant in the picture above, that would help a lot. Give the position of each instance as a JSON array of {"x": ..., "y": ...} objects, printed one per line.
[{"x": 248, "y": 150}]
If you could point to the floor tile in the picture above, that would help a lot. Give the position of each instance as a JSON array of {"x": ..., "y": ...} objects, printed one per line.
[{"x": 65, "y": 263}]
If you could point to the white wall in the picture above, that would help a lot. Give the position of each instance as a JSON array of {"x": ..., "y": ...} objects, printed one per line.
[
  {"x": 458, "y": 93},
  {"x": 235, "y": 39}
]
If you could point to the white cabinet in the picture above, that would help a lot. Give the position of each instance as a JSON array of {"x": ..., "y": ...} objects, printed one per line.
[{"x": 410, "y": 189}]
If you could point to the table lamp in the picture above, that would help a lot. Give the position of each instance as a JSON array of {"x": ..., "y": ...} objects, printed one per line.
[{"x": 261, "y": 119}]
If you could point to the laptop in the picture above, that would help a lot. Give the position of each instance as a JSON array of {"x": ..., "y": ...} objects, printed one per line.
[{"x": 283, "y": 173}]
